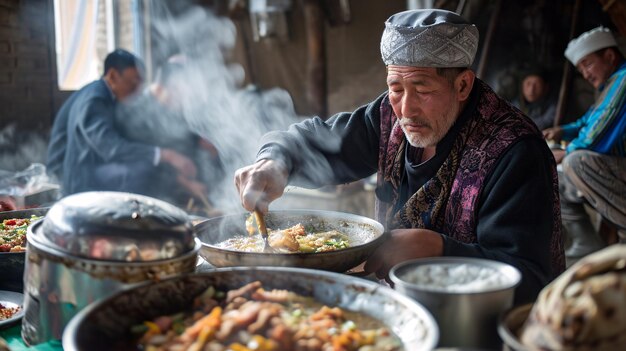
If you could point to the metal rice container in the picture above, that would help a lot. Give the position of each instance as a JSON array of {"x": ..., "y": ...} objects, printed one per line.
[
  {"x": 93, "y": 244},
  {"x": 465, "y": 295}
]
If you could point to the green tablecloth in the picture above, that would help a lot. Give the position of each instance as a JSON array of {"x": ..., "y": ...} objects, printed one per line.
[{"x": 13, "y": 338}]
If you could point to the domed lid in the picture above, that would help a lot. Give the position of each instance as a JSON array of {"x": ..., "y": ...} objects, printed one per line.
[{"x": 116, "y": 226}]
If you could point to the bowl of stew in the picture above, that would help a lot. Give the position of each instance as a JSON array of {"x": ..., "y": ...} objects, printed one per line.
[
  {"x": 254, "y": 308},
  {"x": 326, "y": 240}
]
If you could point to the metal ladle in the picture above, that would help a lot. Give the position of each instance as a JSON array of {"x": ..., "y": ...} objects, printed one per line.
[{"x": 260, "y": 222}]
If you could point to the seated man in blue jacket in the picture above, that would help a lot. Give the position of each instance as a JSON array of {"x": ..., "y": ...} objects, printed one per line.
[
  {"x": 86, "y": 151},
  {"x": 594, "y": 163}
]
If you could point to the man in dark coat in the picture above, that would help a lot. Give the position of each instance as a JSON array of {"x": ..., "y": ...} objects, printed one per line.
[
  {"x": 536, "y": 99},
  {"x": 86, "y": 151},
  {"x": 460, "y": 171}
]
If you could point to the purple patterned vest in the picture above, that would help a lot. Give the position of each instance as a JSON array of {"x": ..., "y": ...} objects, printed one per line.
[{"x": 447, "y": 203}]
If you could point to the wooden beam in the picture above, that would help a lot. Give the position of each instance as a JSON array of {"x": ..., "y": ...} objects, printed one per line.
[
  {"x": 482, "y": 64},
  {"x": 617, "y": 11},
  {"x": 567, "y": 70},
  {"x": 316, "y": 83}
]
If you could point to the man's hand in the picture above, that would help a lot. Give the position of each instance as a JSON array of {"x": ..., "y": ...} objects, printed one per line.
[
  {"x": 559, "y": 155},
  {"x": 554, "y": 133},
  {"x": 181, "y": 163},
  {"x": 193, "y": 187},
  {"x": 261, "y": 183},
  {"x": 404, "y": 244},
  {"x": 7, "y": 204},
  {"x": 208, "y": 146}
]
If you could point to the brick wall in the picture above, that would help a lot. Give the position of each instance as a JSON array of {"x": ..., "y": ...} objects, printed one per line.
[
  {"x": 125, "y": 24},
  {"x": 124, "y": 30},
  {"x": 28, "y": 83}
]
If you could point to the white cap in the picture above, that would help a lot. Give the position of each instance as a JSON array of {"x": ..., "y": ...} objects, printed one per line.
[{"x": 588, "y": 42}]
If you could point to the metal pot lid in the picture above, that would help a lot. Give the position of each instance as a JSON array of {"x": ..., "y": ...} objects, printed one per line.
[{"x": 116, "y": 226}]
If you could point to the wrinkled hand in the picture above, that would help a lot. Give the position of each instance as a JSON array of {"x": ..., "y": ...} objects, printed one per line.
[
  {"x": 193, "y": 187},
  {"x": 402, "y": 245},
  {"x": 261, "y": 183},
  {"x": 7, "y": 204},
  {"x": 554, "y": 133},
  {"x": 559, "y": 155},
  {"x": 180, "y": 162},
  {"x": 208, "y": 146}
]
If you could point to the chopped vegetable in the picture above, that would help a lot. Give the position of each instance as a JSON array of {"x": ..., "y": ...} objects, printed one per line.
[
  {"x": 13, "y": 233},
  {"x": 295, "y": 239},
  {"x": 254, "y": 319}
]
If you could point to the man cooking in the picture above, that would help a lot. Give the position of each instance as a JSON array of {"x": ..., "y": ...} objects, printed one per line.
[{"x": 460, "y": 171}]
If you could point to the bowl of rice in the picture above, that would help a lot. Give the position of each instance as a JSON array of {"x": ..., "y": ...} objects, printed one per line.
[{"x": 465, "y": 295}]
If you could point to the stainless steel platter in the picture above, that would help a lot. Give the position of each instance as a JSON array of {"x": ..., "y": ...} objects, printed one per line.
[
  {"x": 11, "y": 299},
  {"x": 105, "y": 324},
  {"x": 365, "y": 236}
]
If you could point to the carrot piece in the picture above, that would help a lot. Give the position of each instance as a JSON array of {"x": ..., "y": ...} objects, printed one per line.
[
  {"x": 205, "y": 335},
  {"x": 212, "y": 320}
]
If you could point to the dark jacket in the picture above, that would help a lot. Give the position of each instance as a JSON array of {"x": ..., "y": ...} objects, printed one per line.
[
  {"x": 515, "y": 220},
  {"x": 88, "y": 153}
]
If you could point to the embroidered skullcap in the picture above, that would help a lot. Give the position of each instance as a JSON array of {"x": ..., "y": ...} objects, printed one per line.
[
  {"x": 588, "y": 42},
  {"x": 429, "y": 38}
]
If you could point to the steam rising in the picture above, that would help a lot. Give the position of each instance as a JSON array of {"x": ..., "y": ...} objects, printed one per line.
[
  {"x": 214, "y": 104},
  {"x": 19, "y": 148}
]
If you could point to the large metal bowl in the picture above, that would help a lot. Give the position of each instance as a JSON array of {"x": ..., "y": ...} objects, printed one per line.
[
  {"x": 510, "y": 327},
  {"x": 469, "y": 317},
  {"x": 105, "y": 325},
  {"x": 365, "y": 236},
  {"x": 12, "y": 263}
]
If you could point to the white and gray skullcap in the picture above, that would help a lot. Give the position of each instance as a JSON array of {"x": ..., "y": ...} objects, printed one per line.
[
  {"x": 429, "y": 38},
  {"x": 588, "y": 42}
]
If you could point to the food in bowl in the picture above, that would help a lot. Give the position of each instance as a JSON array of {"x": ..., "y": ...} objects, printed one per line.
[
  {"x": 295, "y": 239},
  {"x": 7, "y": 312},
  {"x": 584, "y": 308},
  {"x": 364, "y": 235},
  {"x": 453, "y": 277},
  {"x": 467, "y": 311},
  {"x": 252, "y": 318},
  {"x": 13, "y": 233}
]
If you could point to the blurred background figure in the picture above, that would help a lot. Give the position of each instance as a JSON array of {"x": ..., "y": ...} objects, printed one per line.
[
  {"x": 535, "y": 98},
  {"x": 6, "y": 203},
  {"x": 594, "y": 162},
  {"x": 86, "y": 150},
  {"x": 155, "y": 117}
]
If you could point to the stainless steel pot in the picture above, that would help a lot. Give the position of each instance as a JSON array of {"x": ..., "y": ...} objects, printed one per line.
[
  {"x": 105, "y": 325},
  {"x": 510, "y": 327},
  {"x": 93, "y": 244},
  {"x": 466, "y": 319},
  {"x": 365, "y": 236}
]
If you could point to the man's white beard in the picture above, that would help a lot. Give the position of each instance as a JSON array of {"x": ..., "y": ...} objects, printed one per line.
[
  {"x": 438, "y": 131},
  {"x": 418, "y": 140}
]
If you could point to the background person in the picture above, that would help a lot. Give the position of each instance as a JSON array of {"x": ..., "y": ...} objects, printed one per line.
[
  {"x": 155, "y": 117},
  {"x": 460, "y": 171},
  {"x": 86, "y": 151},
  {"x": 594, "y": 163},
  {"x": 535, "y": 99},
  {"x": 7, "y": 203}
]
